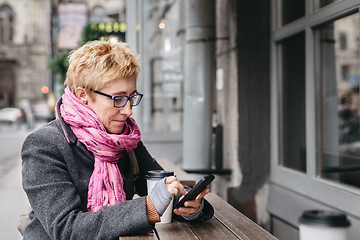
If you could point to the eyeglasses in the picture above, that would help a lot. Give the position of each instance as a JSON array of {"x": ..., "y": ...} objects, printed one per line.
[{"x": 121, "y": 100}]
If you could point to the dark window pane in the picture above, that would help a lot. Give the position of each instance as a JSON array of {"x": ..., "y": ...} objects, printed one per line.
[
  {"x": 343, "y": 41},
  {"x": 323, "y": 3},
  {"x": 293, "y": 102},
  {"x": 6, "y": 24},
  {"x": 292, "y": 10},
  {"x": 339, "y": 116}
]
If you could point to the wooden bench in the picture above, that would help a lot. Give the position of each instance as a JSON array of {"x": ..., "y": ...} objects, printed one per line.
[
  {"x": 183, "y": 176},
  {"x": 227, "y": 223}
]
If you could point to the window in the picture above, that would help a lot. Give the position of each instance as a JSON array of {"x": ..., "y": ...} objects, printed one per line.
[
  {"x": 6, "y": 24},
  {"x": 343, "y": 41},
  {"x": 345, "y": 71},
  {"x": 292, "y": 10},
  {"x": 293, "y": 102},
  {"x": 339, "y": 107},
  {"x": 324, "y": 3},
  {"x": 315, "y": 102}
]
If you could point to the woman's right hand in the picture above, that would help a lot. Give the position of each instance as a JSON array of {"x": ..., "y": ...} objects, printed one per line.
[
  {"x": 174, "y": 186},
  {"x": 163, "y": 192}
]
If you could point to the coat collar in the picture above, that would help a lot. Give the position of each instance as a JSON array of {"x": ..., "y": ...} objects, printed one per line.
[{"x": 69, "y": 134}]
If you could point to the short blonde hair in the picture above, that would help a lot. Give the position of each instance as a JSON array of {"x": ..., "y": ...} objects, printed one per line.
[{"x": 96, "y": 63}]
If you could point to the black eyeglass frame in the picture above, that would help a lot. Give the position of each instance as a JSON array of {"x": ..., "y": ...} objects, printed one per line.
[{"x": 128, "y": 98}]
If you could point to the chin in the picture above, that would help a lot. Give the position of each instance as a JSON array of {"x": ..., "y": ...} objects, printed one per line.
[{"x": 115, "y": 130}]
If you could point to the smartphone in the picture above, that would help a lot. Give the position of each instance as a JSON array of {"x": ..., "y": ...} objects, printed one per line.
[{"x": 198, "y": 188}]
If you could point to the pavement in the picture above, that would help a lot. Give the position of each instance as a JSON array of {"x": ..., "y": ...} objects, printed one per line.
[
  {"x": 12, "y": 202},
  {"x": 13, "y": 199}
]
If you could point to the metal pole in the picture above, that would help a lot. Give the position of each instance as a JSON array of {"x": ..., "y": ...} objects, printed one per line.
[
  {"x": 145, "y": 63},
  {"x": 131, "y": 39},
  {"x": 198, "y": 83},
  {"x": 131, "y": 21}
]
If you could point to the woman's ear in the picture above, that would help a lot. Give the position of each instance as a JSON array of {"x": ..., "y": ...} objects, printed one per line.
[{"x": 81, "y": 94}]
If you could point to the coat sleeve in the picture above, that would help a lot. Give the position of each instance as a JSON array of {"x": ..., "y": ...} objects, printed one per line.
[{"x": 56, "y": 201}]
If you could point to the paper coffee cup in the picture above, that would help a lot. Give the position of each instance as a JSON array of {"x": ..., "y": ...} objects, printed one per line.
[
  {"x": 320, "y": 224},
  {"x": 152, "y": 178}
]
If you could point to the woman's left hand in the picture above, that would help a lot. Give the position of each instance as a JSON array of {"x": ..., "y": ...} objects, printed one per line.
[{"x": 192, "y": 206}]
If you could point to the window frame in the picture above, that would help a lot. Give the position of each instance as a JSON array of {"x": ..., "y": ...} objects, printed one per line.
[
  {"x": 7, "y": 30},
  {"x": 308, "y": 184}
]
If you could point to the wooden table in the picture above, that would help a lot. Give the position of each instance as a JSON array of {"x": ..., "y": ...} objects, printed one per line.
[{"x": 227, "y": 223}]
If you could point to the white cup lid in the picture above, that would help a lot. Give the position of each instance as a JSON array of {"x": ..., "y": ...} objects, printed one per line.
[
  {"x": 324, "y": 218},
  {"x": 158, "y": 174}
]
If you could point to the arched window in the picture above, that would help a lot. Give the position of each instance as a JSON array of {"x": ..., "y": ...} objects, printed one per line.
[
  {"x": 98, "y": 14},
  {"x": 6, "y": 24}
]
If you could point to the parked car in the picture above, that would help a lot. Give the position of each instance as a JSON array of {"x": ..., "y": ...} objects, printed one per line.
[
  {"x": 42, "y": 112},
  {"x": 11, "y": 115}
]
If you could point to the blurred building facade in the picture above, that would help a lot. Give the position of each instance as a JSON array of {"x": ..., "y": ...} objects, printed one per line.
[
  {"x": 30, "y": 32},
  {"x": 24, "y": 50},
  {"x": 285, "y": 89}
]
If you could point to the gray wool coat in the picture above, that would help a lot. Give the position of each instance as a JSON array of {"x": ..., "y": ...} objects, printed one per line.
[
  {"x": 56, "y": 174},
  {"x": 56, "y": 170}
]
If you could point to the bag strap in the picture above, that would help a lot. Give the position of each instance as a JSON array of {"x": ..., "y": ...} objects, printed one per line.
[
  {"x": 134, "y": 167},
  {"x": 134, "y": 163}
]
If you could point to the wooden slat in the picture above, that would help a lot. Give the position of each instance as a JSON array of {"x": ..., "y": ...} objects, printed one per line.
[
  {"x": 175, "y": 231},
  {"x": 139, "y": 237},
  {"x": 238, "y": 223},
  {"x": 183, "y": 176},
  {"x": 211, "y": 229}
]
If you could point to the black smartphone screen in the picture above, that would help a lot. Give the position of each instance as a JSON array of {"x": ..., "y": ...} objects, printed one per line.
[{"x": 198, "y": 188}]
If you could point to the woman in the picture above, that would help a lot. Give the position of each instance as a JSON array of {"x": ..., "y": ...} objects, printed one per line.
[{"x": 76, "y": 169}]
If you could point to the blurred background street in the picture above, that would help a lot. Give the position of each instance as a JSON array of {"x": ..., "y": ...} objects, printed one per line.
[
  {"x": 12, "y": 197},
  {"x": 11, "y": 139}
]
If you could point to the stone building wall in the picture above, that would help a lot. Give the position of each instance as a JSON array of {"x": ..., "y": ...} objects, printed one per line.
[
  {"x": 24, "y": 59},
  {"x": 26, "y": 55}
]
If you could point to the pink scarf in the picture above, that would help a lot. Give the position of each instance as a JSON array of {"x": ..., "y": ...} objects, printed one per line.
[{"x": 106, "y": 183}]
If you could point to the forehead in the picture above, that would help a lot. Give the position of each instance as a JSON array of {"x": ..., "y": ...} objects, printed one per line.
[{"x": 121, "y": 86}]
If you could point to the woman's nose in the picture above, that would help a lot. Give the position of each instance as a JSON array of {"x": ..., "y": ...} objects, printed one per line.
[{"x": 127, "y": 109}]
